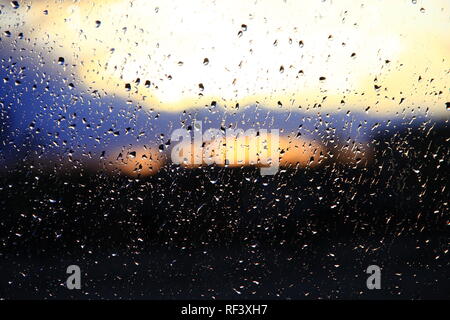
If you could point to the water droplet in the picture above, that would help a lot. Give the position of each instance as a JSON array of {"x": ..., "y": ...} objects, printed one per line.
[{"x": 15, "y": 4}]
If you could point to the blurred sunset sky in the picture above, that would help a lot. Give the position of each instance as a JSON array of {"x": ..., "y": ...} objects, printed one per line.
[{"x": 172, "y": 55}]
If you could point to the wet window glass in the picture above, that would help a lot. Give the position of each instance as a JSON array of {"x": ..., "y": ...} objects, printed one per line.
[{"x": 224, "y": 149}]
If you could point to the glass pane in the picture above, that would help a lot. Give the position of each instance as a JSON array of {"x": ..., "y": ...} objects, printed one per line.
[{"x": 224, "y": 149}]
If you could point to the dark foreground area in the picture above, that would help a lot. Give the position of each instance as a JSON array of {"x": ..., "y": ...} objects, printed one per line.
[{"x": 230, "y": 233}]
